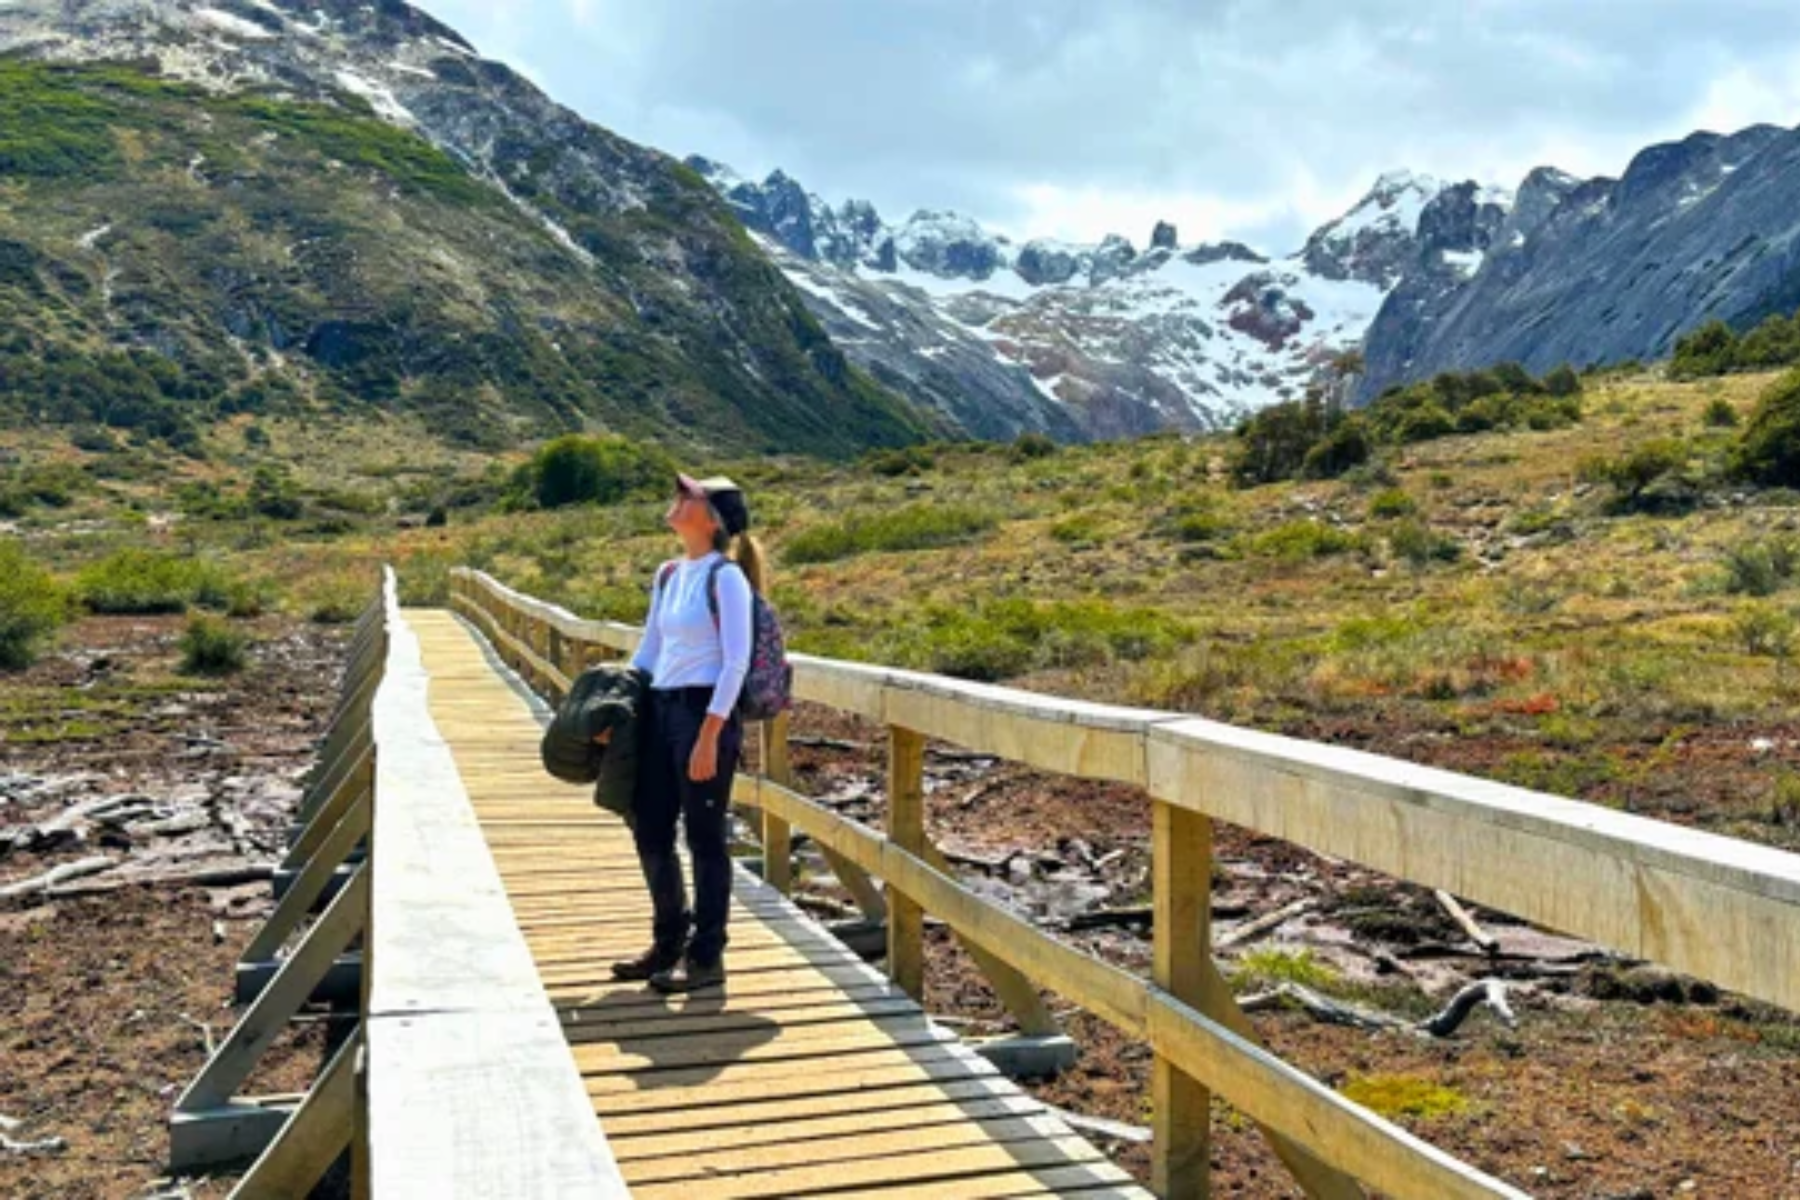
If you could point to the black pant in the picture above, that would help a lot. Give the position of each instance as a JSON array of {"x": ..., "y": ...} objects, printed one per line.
[{"x": 664, "y": 793}]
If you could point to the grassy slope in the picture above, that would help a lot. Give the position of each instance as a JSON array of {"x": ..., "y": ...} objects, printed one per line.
[
  {"x": 1580, "y": 651},
  {"x": 314, "y": 261}
]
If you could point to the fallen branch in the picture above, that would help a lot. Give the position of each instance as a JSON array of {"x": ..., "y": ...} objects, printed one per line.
[
  {"x": 1118, "y": 1131},
  {"x": 825, "y": 743},
  {"x": 1483, "y": 991},
  {"x": 175, "y": 826},
  {"x": 54, "y": 876},
  {"x": 53, "y": 1145},
  {"x": 1491, "y": 992},
  {"x": 231, "y": 876},
  {"x": 1264, "y": 924},
  {"x": 205, "y": 1032},
  {"x": 1481, "y": 937}
]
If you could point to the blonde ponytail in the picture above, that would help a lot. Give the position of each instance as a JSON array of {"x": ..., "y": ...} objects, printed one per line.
[{"x": 748, "y": 553}]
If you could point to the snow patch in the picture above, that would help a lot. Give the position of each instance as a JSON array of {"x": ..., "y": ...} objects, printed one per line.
[
  {"x": 233, "y": 24},
  {"x": 377, "y": 95},
  {"x": 408, "y": 69},
  {"x": 91, "y": 238},
  {"x": 1466, "y": 261}
]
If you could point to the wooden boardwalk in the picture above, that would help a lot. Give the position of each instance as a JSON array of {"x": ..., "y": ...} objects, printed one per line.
[{"x": 810, "y": 1073}]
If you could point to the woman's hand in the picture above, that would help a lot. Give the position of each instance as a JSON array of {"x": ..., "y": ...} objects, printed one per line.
[{"x": 703, "y": 764}]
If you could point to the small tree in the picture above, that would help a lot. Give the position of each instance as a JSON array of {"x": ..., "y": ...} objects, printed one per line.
[
  {"x": 1709, "y": 350},
  {"x": 32, "y": 607},
  {"x": 1563, "y": 381},
  {"x": 1768, "y": 451}
]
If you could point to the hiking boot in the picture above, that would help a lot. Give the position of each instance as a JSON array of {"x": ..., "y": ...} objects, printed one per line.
[
  {"x": 655, "y": 961},
  {"x": 689, "y": 976}
]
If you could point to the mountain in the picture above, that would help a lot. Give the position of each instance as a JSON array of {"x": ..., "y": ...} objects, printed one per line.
[
  {"x": 1092, "y": 341},
  {"x": 1600, "y": 271},
  {"x": 268, "y": 205}
]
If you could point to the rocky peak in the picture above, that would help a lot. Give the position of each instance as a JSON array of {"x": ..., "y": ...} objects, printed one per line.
[
  {"x": 1212, "y": 252},
  {"x": 1374, "y": 242},
  {"x": 1110, "y": 258},
  {"x": 1163, "y": 236}
]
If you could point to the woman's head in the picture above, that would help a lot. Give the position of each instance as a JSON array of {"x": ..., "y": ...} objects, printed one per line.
[{"x": 712, "y": 514}]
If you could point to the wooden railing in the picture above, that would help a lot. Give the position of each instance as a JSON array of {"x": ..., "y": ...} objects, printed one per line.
[
  {"x": 1718, "y": 908},
  {"x": 457, "y": 1080}
]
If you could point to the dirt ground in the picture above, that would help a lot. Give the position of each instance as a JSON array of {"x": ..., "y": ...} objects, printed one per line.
[
  {"x": 108, "y": 1001},
  {"x": 1617, "y": 1082}
]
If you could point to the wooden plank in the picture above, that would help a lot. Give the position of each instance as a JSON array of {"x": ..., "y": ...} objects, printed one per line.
[
  {"x": 319, "y": 1131},
  {"x": 1715, "y": 907},
  {"x": 1180, "y": 1106},
  {"x": 310, "y": 884},
  {"x": 777, "y": 841},
  {"x": 906, "y": 829},
  {"x": 1036, "y": 1132},
  {"x": 769, "y": 1114},
  {"x": 772, "y": 1041},
  {"x": 481, "y": 1104},
  {"x": 1089, "y": 1181},
  {"x": 937, "y": 1165},
  {"x": 847, "y": 1074},
  {"x": 784, "y": 1126},
  {"x": 257, "y": 1030}
]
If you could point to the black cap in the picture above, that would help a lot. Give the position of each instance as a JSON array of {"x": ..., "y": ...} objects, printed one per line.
[{"x": 726, "y": 498}]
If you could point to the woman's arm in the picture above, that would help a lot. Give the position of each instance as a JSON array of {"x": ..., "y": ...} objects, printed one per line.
[
  {"x": 651, "y": 644},
  {"x": 734, "y": 641}
]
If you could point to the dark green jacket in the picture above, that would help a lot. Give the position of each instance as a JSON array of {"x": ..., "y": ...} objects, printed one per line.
[{"x": 602, "y": 698}]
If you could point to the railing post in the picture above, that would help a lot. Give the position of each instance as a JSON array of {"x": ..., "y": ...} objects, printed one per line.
[
  {"x": 1181, "y": 875},
  {"x": 777, "y": 837},
  {"x": 906, "y": 829}
]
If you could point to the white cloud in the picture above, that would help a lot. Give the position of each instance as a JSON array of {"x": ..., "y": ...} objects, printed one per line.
[{"x": 1228, "y": 117}]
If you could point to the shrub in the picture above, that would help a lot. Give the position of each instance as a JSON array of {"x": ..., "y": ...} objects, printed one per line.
[
  {"x": 1764, "y": 630},
  {"x": 1032, "y": 445},
  {"x": 1563, "y": 381},
  {"x": 1273, "y": 444},
  {"x": 1415, "y": 542},
  {"x": 584, "y": 470},
  {"x": 911, "y": 527},
  {"x": 1761, "y": 568},
  {"x": 1273, "y": 965},
  {"x": 32, "y": 607},
  {"x": 1768, "y": 450},
  {"x": 998, "y": 639},
  {"x": 1393, "y": 502},
  {"x": 907, "y": 460},
  {"x": 1346, "y": 445},
  {"x": 210, "y": 647},
  {"x": 1633, "y": 473},
  {"x": 1708, "y": 350},
  {"x": 1299, "y": 540},
  {"x": 148, "y": 581},
  {"x": 337, "y": 598},
  {"x": 1720, "y": 414}
]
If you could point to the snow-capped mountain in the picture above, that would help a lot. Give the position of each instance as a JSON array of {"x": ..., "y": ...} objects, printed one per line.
[{"x": 1108, "y": 338}]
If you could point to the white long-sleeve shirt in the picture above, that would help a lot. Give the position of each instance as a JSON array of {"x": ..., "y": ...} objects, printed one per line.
[{"x": 682, "y": 647}]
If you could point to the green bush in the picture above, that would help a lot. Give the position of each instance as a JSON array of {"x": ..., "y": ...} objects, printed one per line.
[
  {"x": 998, "y": 639},
  {"x": 1032, "y": 445},
  {"x": 1720, "y": 414},
  {"x": 910, "y": 527},
  {"x": 32, "y": 607},
  {"x": 211, "y": 647},
  {"x": 1768, "y": 450},
  {"x": 1761, "y": 568},
  {"x": 149, "y": 581},
  {"x": 1708, "y": 350},
  {"x": 1419, "y": 545},
  {"x": 1643, "y": 467},
  {"x": 1764, "y": 630},
  {"x": 907, "y": 460},
  {"x": 585, "y": 470},
  {"x": 1299, "y": 540},
  {"x": 336, "y": 598},
  {"x": 1393, "y": 502}
]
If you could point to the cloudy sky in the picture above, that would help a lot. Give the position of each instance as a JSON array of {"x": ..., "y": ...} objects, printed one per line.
[{"x": 1075, "y": 118}]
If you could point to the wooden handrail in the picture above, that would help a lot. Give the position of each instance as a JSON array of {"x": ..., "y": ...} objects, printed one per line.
[{"x": 1712, "y": 906}]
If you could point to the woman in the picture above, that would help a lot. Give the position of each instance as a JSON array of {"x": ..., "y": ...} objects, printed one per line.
[{"x": 696, "y": 650}]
